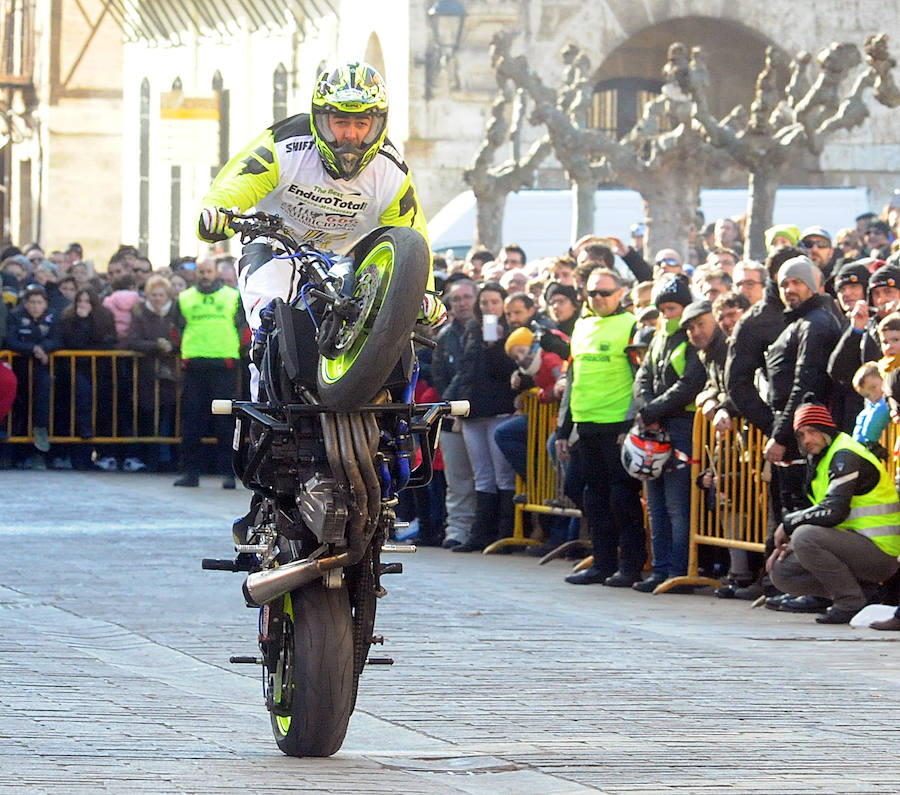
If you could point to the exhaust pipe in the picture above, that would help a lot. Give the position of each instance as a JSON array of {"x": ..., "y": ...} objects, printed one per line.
[{"x": 263, "y": 587}]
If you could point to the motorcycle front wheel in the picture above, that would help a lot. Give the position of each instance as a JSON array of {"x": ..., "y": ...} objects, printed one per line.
[
  {"x": 390, "y": 282},
  {"x": 315, "y": 683}
]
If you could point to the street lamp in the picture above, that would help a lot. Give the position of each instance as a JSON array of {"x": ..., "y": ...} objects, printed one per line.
[{"x": 446, "y": 19}]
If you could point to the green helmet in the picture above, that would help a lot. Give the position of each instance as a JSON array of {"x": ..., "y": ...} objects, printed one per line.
[{"x": 349, "y": 90}]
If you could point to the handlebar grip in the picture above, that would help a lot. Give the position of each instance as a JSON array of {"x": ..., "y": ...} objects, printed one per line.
[
  {"x": 459, "y": 408},
  {"x": 221, "y": 407}
]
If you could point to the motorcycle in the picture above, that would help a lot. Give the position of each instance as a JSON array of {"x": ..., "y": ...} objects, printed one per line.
[{"x": 325, "y": 450}]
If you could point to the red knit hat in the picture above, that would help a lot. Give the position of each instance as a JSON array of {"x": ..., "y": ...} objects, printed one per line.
[{"x": 813, "y": 414}]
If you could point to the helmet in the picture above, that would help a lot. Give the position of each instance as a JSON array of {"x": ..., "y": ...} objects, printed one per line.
[
  {"x": 352, "y": 89},
  {"x": 645, "y": 453}
]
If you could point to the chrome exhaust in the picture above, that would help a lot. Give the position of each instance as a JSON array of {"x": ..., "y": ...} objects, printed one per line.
[{"x": 262, "y": 587}]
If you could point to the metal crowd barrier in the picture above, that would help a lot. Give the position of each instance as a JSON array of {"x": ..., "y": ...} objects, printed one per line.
[
  {"x": 542, "y": 490},
  {"x": 118, "y": 410},
  {"x": 736, "y": 516},
  {"x": 733, "y": 512}
]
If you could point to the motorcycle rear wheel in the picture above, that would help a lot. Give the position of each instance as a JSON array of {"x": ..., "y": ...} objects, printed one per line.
[
  {"x": 317, "y": 680},
  {"x": 391, "y": 280}
]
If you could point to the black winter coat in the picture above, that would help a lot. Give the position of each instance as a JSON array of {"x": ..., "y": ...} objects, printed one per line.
[
  {"x": 797, "y": 363},
  {"x": 446, "y": 360},
  {"x": 658, "y": 386},
  {"x": 96, "y": 332},
  {"x": 753, "y": 334},
  {"x": 854, "y": 348},
  {"x": 484, "y": 374}
]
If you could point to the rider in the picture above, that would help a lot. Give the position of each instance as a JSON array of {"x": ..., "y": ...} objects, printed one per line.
[{"x": 332, "y": 174}]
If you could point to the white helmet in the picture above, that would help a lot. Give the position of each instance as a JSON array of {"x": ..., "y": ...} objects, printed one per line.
[{"x": 646, "y": 453}]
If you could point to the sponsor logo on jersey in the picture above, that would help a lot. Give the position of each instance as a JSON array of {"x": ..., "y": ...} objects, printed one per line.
[
  {"x": 327, "y": 222},
  {"x": 299, "y": 146},
  {"x": 327, "y": 199}
]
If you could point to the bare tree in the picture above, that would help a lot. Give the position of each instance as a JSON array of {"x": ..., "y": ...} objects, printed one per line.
[
  {"x": 781, "y": 126},
  {"x": 663, "y": 157},
  {"x": 491, "y": 184}
]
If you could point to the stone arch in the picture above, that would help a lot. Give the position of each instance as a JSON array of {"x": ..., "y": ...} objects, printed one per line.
[
  {"x": 374, "y": 54},
  {"x": 734, "y": 52}
]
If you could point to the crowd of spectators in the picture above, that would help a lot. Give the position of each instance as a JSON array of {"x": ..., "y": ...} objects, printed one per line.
[
  {"x": 623, "y": 341},
  {"x": 61, "y": 302}
]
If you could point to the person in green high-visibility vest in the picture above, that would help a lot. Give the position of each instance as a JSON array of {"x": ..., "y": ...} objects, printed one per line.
[{"x": 848, "y": 540}]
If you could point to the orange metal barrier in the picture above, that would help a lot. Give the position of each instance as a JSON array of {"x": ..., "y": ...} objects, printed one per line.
[
  {"x": 113, "y": 374},
  {"x": 542, "y": 490}
]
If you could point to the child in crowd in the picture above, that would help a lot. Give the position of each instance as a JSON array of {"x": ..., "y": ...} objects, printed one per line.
[
  {"x": 889, "y": 363},
  {"x": 542, "y": 367},
  {"x": 873, "y": 419},
  {"x": 33, "y": 334}
]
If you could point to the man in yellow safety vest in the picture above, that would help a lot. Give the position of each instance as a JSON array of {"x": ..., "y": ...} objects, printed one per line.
[{"x": 849, "y": 538}]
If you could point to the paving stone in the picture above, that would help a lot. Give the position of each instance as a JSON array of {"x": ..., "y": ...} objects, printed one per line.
[{"x": 114, "y": 673}]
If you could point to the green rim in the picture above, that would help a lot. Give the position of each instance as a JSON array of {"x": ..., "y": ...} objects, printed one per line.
[
  {"x": 382, "y": 259},
  {"x": 284, "y": 721}
]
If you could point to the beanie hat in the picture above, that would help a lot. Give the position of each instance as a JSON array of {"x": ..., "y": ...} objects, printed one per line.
[
  {"x": 555, "y": 288},
  {"x": 885, "y": 276},
  {"x": 672, "y": 289},
  {"x": 815, "y": 414},
  {"x": 784, "y": 230},
  {"x": 852, "y": 273},
  {"x": 47, "y": 265},
  {"x": 520, "y": 336},
  {"x": 801, "y": 268}
]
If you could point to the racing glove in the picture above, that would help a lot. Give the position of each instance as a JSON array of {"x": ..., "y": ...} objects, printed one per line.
[
  {"x": 433, "y": 312},
  {"x": 214, "y": 224}
]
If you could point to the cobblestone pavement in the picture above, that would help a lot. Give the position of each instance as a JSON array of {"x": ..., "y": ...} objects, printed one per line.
[{"x": 114, "y": 673}]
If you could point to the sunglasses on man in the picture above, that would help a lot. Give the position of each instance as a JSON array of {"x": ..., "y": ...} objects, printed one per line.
[{"x": 602, "y": 293}]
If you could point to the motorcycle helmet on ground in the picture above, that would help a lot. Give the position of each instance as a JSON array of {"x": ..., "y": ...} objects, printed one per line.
[
  {"x": 645, "y": 453},
  {"x": 351, "y": 90}
]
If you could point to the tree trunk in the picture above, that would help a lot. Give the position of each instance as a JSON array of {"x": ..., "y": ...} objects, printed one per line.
[
  {"x": 669, "y": 207},
  {"x": 762, "y": 184},
  {"x": 583, "y": 209},
  {"x": 489, "y": 207}
]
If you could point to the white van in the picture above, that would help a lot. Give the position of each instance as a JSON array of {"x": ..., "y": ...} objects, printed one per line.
[{"x": 540, "y": 221}]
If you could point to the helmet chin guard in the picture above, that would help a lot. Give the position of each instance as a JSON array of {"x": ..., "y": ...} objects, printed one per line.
[{"x": 645, "y": 453}]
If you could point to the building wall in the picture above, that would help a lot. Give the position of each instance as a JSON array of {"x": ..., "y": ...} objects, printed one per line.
[
  {"x": 624, "y": 35},
  {"x": 439, "y": 137},
  {"x": 81, "y": 113}
]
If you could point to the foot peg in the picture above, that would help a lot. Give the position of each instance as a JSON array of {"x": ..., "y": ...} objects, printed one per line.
[
  {"x": 238, "y": 660},
  {"x": 213, "y": 564},
  {"x": 380, "y": 661},
  {"x": 243, "y": 562},
  {"x": 392, "y": 568}
]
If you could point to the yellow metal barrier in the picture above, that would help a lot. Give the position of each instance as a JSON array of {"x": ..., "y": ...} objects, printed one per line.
[
  {"x": 542, "y": 490},
  {"x": 113, "y": 377},
  {"x": 738, "y": 518}
]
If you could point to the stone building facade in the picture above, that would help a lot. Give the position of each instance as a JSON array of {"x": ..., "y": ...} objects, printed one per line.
[{"x": 112, "y": 82}]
